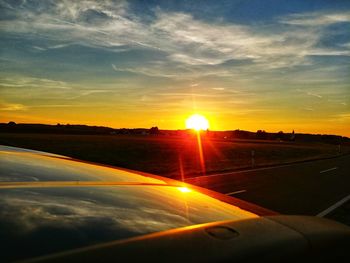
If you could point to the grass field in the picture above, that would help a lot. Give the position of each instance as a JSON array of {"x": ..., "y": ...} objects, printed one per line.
[{"x": 165, "y": 155}]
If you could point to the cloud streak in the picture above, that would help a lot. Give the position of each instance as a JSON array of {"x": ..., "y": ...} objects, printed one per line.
[
  {"x": 316, "y": 19},
  {"x": 12, "y": 107},
  {"x": 314, "y": 95},
  {"x": 183, "y": 39}
]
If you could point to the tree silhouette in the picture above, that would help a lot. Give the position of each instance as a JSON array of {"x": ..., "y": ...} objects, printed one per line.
[{"x": 154, "y": 130}]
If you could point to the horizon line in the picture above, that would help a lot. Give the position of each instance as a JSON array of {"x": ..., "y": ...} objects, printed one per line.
[{"x": 185, "y": 129}]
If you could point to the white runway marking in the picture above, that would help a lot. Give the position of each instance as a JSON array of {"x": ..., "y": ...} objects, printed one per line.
[
  {"x": 236, "y": 192},
  {"x": 333, "y": 207},
  {"x": 328, "y": 170}
]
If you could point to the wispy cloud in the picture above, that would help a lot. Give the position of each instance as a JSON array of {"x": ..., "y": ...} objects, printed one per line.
[
  {"x": 60, "y": 46},
  {"x": 180, "y": 94},
  {"x": 83, "y": 93},
  {"x": 183, "y": 38},
  {"x": 33, "y": 82},
  {"x": 308, "y": 93},
  {"x": 151, "y": 72},
  {"x": 314, "y": 95},
  {"x": 44, "y": 92},
  {"x": 39, "y": 48},
  {"x": 58, "y": 106},
  {"x": 343, "y": 116},
  {"x": 316, "y": 19},
  {"x": 309, "y": 109},
  {"x": 12, "y": 107}
]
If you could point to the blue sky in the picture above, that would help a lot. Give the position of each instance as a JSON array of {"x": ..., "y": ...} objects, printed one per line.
[{"x": 273, "y": 65}]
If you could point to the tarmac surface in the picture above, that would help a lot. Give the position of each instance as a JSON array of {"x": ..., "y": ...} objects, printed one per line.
[{"x": 307, "y": 188}]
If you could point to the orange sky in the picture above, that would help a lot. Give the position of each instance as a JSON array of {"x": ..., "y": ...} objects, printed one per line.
[{"x": 244, "y": 65}]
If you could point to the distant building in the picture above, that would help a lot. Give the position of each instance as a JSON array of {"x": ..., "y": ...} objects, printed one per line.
[{"x": 292, "y": 136}]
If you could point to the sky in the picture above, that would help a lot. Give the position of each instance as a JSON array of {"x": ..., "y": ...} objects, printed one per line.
[{"x": 270, "y": 65}]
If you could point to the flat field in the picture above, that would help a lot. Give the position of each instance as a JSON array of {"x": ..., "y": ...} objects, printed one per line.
[{"x": 169, "y": 155}]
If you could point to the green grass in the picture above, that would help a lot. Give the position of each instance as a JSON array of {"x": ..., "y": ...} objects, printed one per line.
[{"x": 162, "y": 154}]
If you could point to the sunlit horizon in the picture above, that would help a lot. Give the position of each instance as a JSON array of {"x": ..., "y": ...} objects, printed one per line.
[
  {"x": 182, "y": 126},
  {"x": 197, "y": 122}
]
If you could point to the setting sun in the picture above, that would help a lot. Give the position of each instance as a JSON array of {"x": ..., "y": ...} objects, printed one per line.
[{"x": 197, "y": 122}]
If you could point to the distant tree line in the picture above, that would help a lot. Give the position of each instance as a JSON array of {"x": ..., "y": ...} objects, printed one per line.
[
  {"x": 59, "y": 128},
  {"x": 12, "y": 127}
]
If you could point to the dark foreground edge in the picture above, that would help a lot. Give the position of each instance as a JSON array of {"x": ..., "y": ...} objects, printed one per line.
[{"x": 57, "y": 209}]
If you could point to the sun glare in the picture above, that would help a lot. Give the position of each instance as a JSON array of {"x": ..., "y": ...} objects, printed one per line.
[
  {"x": 197, "y": 122},
  {"x": 184, "y": 189}
]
